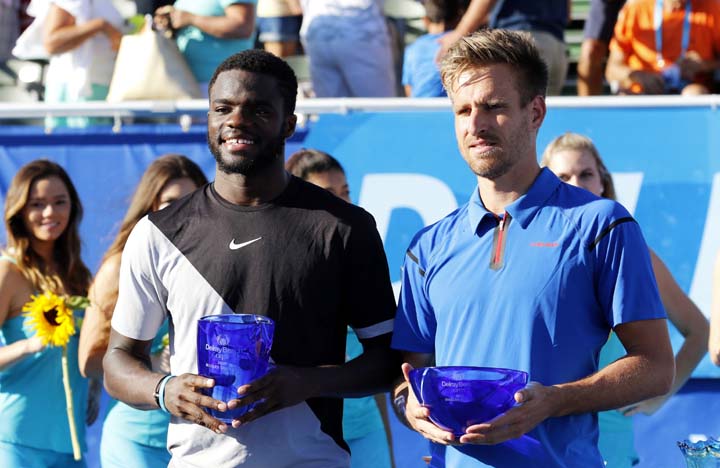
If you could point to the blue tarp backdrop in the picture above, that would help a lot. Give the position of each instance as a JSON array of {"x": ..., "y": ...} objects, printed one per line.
[{"x": 405, "y": 169}]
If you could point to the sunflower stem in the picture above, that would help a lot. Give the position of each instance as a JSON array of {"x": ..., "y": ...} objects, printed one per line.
[{"x": 69, "y": 405}]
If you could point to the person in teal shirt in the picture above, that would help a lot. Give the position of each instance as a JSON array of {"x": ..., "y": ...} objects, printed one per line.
[
  {"x": 209, "y": 31},
  {"x": 576, "y": 161},
  {"x": 133, "y": 437},
  {"x": 366, "y": 428},
  {"x": 42, "y": 215}
]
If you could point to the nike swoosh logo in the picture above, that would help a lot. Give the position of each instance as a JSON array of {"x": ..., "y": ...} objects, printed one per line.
[{"x": 234, "y": 246}]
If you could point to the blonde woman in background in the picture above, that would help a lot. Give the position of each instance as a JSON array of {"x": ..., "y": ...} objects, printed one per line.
[{"x": 576, "y": 161}]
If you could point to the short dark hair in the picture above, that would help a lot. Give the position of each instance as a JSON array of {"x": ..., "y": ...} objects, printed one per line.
[
  {"x": 259, "y": 61},
  {"x": 448, "y": 12},
  {"x": 305, "y": 162},
  {"x": 498, "y": 47}
]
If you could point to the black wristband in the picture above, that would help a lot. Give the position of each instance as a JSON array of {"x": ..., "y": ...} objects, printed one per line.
[
  {"x": 156, "y": 392},
  {"x": 399, "y": 403}
]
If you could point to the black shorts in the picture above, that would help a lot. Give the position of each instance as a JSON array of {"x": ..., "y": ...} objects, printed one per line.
[{"x": 601, "y": 19}]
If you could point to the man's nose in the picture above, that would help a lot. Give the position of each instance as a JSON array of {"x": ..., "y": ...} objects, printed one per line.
[
  {"x": 238, "y": 117},
  {"x": 478, "y": 123}
]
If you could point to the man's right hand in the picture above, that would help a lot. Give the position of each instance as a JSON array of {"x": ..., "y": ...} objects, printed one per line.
[
  {"x": 418, "y": 416},
  {"x": 184, "y": 399}
]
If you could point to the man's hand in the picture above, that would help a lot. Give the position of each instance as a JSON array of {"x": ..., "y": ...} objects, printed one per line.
[
  {"x": 419, "y": 417},
  {"x": 168, "y": 17},
  {"x": 281, "y": 387},
  {"x": 536, "y": 403},
  {"x": 183, "y": 399}
]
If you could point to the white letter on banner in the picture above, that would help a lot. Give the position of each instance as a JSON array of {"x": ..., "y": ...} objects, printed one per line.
[
  {"x": 380, "y": 194},
  {"x": 627, "y": 188},
  {"x": 701, "y": 288},
  {"x": 430, "y": 197}
]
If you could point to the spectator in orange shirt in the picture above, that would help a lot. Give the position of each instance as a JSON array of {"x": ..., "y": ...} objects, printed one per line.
[{"x": 677, "y": 51}]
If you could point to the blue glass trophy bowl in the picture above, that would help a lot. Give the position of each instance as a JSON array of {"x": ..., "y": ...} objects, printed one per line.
[
  {"x": 459, "y": 397},
  {"x": 232, "y": 349}
]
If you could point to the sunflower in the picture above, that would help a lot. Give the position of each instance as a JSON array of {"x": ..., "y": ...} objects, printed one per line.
[{"x": 51, "y": 318}]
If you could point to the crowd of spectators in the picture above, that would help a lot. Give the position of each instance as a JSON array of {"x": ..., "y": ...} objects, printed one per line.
[{"x": 388, "y": 48}]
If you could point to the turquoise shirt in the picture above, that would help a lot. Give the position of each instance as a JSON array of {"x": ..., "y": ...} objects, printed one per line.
[
  {"x": 32, "y": 396},
  {"x": 202, "y": 51},
  {"x": 142, "y": 427},
  {"x": 616, "y": 440},
  {"x": 361, "y": 416}
]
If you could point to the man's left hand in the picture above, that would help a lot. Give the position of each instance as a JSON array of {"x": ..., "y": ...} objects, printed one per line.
[
  {"x": 281, "y": 387},
  {"x": 536, "y": 403}
]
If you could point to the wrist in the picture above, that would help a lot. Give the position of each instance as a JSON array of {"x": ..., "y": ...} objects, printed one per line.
[
  {"x": 159, "y": 393},
  {"x": 399, "y": 402}
]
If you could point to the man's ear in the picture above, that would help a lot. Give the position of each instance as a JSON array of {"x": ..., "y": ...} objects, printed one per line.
[
  {"x": 290, "y": 123},
  {"x": 539, "y": 110}
]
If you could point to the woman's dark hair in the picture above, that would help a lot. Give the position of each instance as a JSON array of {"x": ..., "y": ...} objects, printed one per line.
[{"x": 304, "y": 162}]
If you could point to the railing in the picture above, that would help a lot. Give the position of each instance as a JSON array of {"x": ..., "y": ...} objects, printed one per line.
[{"x": 305, "y": 107}]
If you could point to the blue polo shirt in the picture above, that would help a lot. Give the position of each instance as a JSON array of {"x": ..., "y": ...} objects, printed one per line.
[{"x": 539, "y": 291}]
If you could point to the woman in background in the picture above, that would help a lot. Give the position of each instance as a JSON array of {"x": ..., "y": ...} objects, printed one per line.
[
  {"x": 365, "y": 422},
  {"x": 42, "y": 216},
  {"x": 575, "y": 160},
  {"x": 133, "y": 437}
]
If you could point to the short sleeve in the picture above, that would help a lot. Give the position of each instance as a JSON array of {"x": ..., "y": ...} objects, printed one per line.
[
  {"x": 415, "y": 323},
  {"x": 368, "y": 294},
  {"x": 140, "y": 308},
  {"x": 626, "y": 286}
]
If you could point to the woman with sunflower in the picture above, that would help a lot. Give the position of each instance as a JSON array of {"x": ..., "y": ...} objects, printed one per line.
[
  {"x": 42, "y": 259},
  {"x": 133, "y": 437}
]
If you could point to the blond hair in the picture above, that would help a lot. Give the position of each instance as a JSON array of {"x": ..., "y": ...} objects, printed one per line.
[
  {"x": 497, "y": 47},
  {"x": 576, "y": 142}
]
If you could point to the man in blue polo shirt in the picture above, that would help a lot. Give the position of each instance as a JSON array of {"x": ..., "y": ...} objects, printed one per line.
[{"x": 530, "y": 274}]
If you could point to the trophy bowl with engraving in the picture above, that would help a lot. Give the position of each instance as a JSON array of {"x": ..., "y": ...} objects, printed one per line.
[
  {"x": 233, "y": 349},
  {"x": 460, "y": 396}
]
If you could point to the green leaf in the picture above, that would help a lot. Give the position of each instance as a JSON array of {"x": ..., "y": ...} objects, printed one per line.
[{"x": 77, "y": 302}]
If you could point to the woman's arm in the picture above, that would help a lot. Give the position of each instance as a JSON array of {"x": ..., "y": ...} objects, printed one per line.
[
  {"x": 237, "y": 23},
  {"x": 691, "y": 324},
  {"x": 62, "y": 34},
  {"x": 714, "y": 344},
  {"x": 14, "y": 291},
  {"x": 96, "y": 324}
]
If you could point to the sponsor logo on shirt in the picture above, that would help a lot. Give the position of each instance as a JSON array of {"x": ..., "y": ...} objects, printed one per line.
[{"x": 234, "y": 246}]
